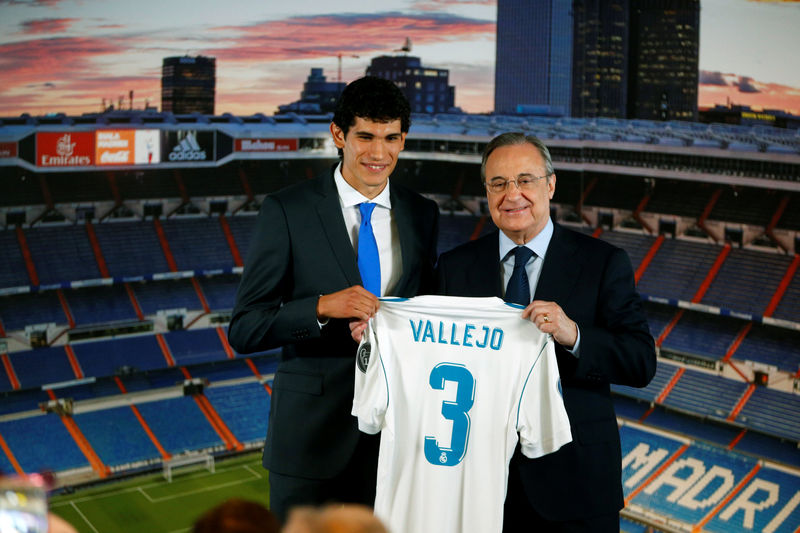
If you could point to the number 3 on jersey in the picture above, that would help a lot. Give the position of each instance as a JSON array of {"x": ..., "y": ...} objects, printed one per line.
[{"x": 456, "y": 411}]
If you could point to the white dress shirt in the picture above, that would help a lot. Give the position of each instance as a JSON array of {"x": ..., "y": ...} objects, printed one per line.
[
  {"x": 384, "y": 228},
  {"x": 533, "y": 268}
]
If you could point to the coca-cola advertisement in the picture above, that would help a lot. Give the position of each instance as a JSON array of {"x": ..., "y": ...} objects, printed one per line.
[
  {"x": 115, "y": 147},
  {"x": 65, "y": 149}
]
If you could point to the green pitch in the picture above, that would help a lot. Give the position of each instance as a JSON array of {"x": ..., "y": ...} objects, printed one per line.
[{"x": 150, "y": 504}]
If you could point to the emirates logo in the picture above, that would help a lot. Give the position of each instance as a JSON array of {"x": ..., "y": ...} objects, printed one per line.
[{"x": 65, "y": 146}]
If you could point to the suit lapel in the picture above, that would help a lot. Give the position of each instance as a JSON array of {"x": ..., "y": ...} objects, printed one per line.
[
  {"x": 485, "y": 271},
  {"x": 560, "y": 268},
  {"x": 330, "y": 216},
  {"x": 405, "y": 231}
]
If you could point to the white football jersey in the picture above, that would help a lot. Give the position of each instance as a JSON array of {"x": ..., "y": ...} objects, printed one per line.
[{"x": 450, "y": 382}]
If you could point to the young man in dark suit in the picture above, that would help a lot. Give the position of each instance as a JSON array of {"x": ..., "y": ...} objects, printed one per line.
[
  {"x": 314, "y": 250},
  {"x": 581, "y": 290}
]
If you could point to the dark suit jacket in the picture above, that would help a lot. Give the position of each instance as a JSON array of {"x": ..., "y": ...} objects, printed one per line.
[
  {"x": 300, "y": 250},
  {"x": 593, "y": 282}
]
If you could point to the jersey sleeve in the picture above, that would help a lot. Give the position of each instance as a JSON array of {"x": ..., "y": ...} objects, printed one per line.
[
  {"x": 371, "y": 396},
  {"x": 542, "y": 419}
]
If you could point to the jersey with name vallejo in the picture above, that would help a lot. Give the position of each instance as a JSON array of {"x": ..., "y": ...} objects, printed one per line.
[{"x": 450, "y": 382}]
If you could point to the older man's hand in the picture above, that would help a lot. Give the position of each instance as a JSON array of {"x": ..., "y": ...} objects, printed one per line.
[{"x": 550, "y": 318}]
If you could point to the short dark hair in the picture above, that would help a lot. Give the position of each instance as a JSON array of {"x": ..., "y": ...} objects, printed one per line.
[
  {"x": 372, "y": 98},
  {"x": 512, "y": 138}
]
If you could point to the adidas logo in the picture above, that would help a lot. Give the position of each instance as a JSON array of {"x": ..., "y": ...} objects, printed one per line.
[{"x": 187, "y": 150}]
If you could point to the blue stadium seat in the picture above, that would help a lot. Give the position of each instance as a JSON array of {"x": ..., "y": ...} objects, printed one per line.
[
  {"x": 22, "y": 310},
  {"x": 635, "y": 244},
  {"x": 773, "y": 346},
  {"x": 705, "y": 394},
  {"x": 703, "y": 334},
  {"x": 774, "y": 412},
  {"x": 62, "y": 253},
  {"x": 664, "y": 374},
  {"x": 110, "y": 357},
  {"x": 678, "y": 269},
  {"x": 242, "y": 227},
  {"x": 31, "y": 441},
  {"x": 100, "y": 305},
  {"x": 220, "y": 291},
  {"x": 243, "y": 407},
  {"x": 197, "y": 243},
  {"x": 13, "y": 272},
  {"x": 747, "y": 281},
  {"x": 179, "y": 425},
  {"x": 168, "y": 294},
  {"x": 117, "y": 436},
  {"x": 190, "y": 347},
  {"x": 131, "y": 248},
  {"x": 41, "y": 366}
]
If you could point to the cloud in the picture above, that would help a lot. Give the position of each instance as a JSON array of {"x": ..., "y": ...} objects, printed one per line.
[
  {"x": 47, "y": 26},
  {"x": 767, "y": 95},
  {"x": 308, "y": 37},
  {"x": 435, "y": 5},
  {"x": 708, "y": 77},
  {"x": 30, "y": 3},
  {"x": 746, "y": 85}
]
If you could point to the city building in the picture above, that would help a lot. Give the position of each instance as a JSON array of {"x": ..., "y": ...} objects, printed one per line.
[
  {"x": 188, "y": 84},
  {"x": 427, "y": 89},
  {"x": 318, "y": 95},
  {"x": 533, "y": 66},
  {"x": 664, "y": 48},
  {"x": 600, "y": 58}
]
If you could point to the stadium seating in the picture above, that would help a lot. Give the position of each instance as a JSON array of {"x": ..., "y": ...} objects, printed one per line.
[
  {"x": 747, "y": 281},
  {"x": 774, "y": 412},
  {"x": 220, "y": 291},
  {"x": 703, "y": 334},
  {"x": 20, "y": 310},
  {"x": 678, "y": 269},
  {"x": 119, "y": 356},
  {"x": 31, "y": 440},
  {"x": 40, "y": 366},
  {"x": 197, "y": 243},
  {"x": 100, "y": 305},
  {"x": 13, "y": 272},
  {"x": 192, "y": 347},
  {"x": 131, "y": 248},
  {"x": 116, "y": 436},
  {"x": 61, "y": 253},
  {"x": 242, "y": 230},
  {"x": 772, "y": 346},
  {"x": 179, "y": 425},
  {"x": 635, "y": 244},
  {"x": 243, "y": 407}
]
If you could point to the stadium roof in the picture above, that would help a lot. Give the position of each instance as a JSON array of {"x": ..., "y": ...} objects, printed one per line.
[{"x": 651, "y": 135}]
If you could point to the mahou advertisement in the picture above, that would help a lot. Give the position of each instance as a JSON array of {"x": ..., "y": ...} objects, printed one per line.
[
  {"x": 65, "y": 149},
  {"x": 266, "y": 145}
]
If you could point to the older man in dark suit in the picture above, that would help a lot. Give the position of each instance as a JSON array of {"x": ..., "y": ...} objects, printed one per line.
[
  {"x": 316, "y": 246},
  {"x": 581, "y": 290}
]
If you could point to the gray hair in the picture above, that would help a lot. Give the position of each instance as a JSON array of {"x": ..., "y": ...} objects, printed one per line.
[{"x": 514, "y": 138}]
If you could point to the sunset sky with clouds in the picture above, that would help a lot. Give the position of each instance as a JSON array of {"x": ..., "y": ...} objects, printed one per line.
[{"x": 68, "y": 55}]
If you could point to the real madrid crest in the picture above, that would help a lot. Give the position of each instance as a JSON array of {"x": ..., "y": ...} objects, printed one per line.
[{"x": 362, "y": 358}]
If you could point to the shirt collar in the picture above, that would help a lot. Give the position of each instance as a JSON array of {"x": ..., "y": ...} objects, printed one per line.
[
  {"x": 349, "y": 197},
  {"x": 538, "y": 244}
]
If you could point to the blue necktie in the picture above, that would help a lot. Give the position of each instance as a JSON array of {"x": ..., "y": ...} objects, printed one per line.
[
  {"x": 369, "y": 264},
  {"x": 518, "y": 290}
]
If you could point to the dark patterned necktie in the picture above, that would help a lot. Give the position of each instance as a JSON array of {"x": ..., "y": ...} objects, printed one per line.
[{"x": 518, "y": 290}]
